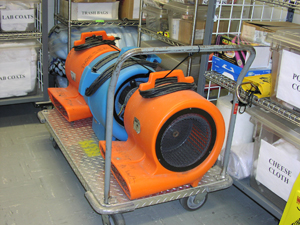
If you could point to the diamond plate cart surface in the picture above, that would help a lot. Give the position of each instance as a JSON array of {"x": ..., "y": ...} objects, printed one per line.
[{"x": 79, "y": 145}]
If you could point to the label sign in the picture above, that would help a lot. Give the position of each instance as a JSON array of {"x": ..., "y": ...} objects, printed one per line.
[
  {"x": 17, "y": 16},
  {"x": 288, "y": 84},
  {"x": 92, "y": 11},
  {"x": 16, "y": 81},
  {"x": 276, "y": 169}
]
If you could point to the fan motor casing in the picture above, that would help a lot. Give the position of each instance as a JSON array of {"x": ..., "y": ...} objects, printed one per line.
[
  {"x": 136, "y": 163},
  {"x": 70, "y": 103}
]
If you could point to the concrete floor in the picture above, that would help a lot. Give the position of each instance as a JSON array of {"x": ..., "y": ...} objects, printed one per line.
[{"x": 39, "y": 187}]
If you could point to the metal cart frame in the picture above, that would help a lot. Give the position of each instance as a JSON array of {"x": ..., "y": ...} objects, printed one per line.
[{"x": 105, "y": 195}]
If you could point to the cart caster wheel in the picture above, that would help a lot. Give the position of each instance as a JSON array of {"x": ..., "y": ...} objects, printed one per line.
[
  {"x": 191, "y": 203},
  {"x": 54, "y": 144},
  {"x": 117, "y": 219}
]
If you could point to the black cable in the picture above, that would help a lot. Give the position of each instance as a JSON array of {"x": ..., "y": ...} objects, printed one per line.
[
  {"x": 167, "y": 86},
  {"x": 189, "y": 55},
  {"x": 249, "y": 98}
]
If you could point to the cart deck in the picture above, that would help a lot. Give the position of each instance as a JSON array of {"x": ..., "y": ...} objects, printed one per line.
[{"x": 79, "y": 145}]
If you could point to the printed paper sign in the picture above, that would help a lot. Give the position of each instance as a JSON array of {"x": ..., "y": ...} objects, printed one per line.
[
  {"x": 92, "y": 11},
  {"x": 16, "y": 81},
  {"x": 276, "y": 170},
  {"x": 17, "y": 16},
  {"x": 288, "y": 84}
]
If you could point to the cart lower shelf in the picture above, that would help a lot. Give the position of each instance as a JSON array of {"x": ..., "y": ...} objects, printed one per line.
[{"x": 79, "y": 145}]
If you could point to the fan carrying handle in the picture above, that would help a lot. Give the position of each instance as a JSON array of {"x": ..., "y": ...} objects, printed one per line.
[
  {"x": 94, "y": 33},
  {"x": 162, "y": 74}
]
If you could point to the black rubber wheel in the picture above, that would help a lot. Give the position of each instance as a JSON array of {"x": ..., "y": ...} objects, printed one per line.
[
  {"x": 117, "y": 219},
  {"x": 189, "y": 203},
  {"x": 54, "y": 144}
]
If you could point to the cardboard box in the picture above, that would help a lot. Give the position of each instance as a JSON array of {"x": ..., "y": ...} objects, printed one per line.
[
  {"x": 169, "y": 60},
  {"x": 263, "y": 52},
  {"x": 257, "y": 31},
  {"x": 91, "y": 11},
  {"x": 233, "y": 71},
  {"x": 129, "y": 9},
  {"x": 186, "y": 28}
]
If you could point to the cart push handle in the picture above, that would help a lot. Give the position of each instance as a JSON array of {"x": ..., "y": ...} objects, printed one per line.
[{"x": 163, "y": 50}]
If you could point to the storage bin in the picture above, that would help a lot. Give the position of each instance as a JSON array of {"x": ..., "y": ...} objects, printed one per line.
[
  {"x": 90, "y": 11},
  {"x": 276, "y": 156},
  {"x": 180, "y": 18},
  {"x": 285, "y": 67},
  {"x": 156, "y": 19},
  {"x": 18, "y": 16},
  {"x": 18, "y": 63}
]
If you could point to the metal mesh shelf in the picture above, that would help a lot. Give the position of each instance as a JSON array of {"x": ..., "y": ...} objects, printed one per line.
[
  {"x": 265, "y": 103},
  {"x": 81, "y": 23},
  {"x": 17, "y": 36}
]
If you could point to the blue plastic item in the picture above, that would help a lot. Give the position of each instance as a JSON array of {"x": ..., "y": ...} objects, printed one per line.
[{"x": 132, "y": 75}]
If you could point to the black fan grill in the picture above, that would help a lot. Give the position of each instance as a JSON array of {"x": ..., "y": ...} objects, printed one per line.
[{"x": 186, "y": 139}]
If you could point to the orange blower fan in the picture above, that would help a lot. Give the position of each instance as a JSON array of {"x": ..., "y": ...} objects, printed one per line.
[
  {"x": 69, "y": 101},
  {"x": 173, "y": 139}
]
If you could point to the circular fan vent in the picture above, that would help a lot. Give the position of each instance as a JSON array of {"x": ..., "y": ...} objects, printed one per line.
[{"x": 186, "y": 140}]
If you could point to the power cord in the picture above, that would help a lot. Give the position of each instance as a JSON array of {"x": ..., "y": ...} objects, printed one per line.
[{"x": 168, "y": 85}]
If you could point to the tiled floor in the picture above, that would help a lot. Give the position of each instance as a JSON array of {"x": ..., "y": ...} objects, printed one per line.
[{"x": 39, "y": 187}]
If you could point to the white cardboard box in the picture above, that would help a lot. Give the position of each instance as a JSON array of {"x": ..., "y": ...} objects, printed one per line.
[{"x": 91, "y": 11}]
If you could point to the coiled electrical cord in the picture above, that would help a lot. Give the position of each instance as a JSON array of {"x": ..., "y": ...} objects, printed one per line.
[{"x": 168, "y": 85}]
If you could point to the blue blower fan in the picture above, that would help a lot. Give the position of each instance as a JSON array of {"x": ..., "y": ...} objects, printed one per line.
[{"x": 96, "y": 74}]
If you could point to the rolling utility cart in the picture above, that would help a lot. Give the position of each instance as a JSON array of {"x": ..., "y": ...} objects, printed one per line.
[{"x": 80, "y": 147}]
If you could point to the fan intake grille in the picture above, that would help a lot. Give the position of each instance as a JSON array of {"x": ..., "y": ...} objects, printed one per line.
[{"x": 186, "y": 140}]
